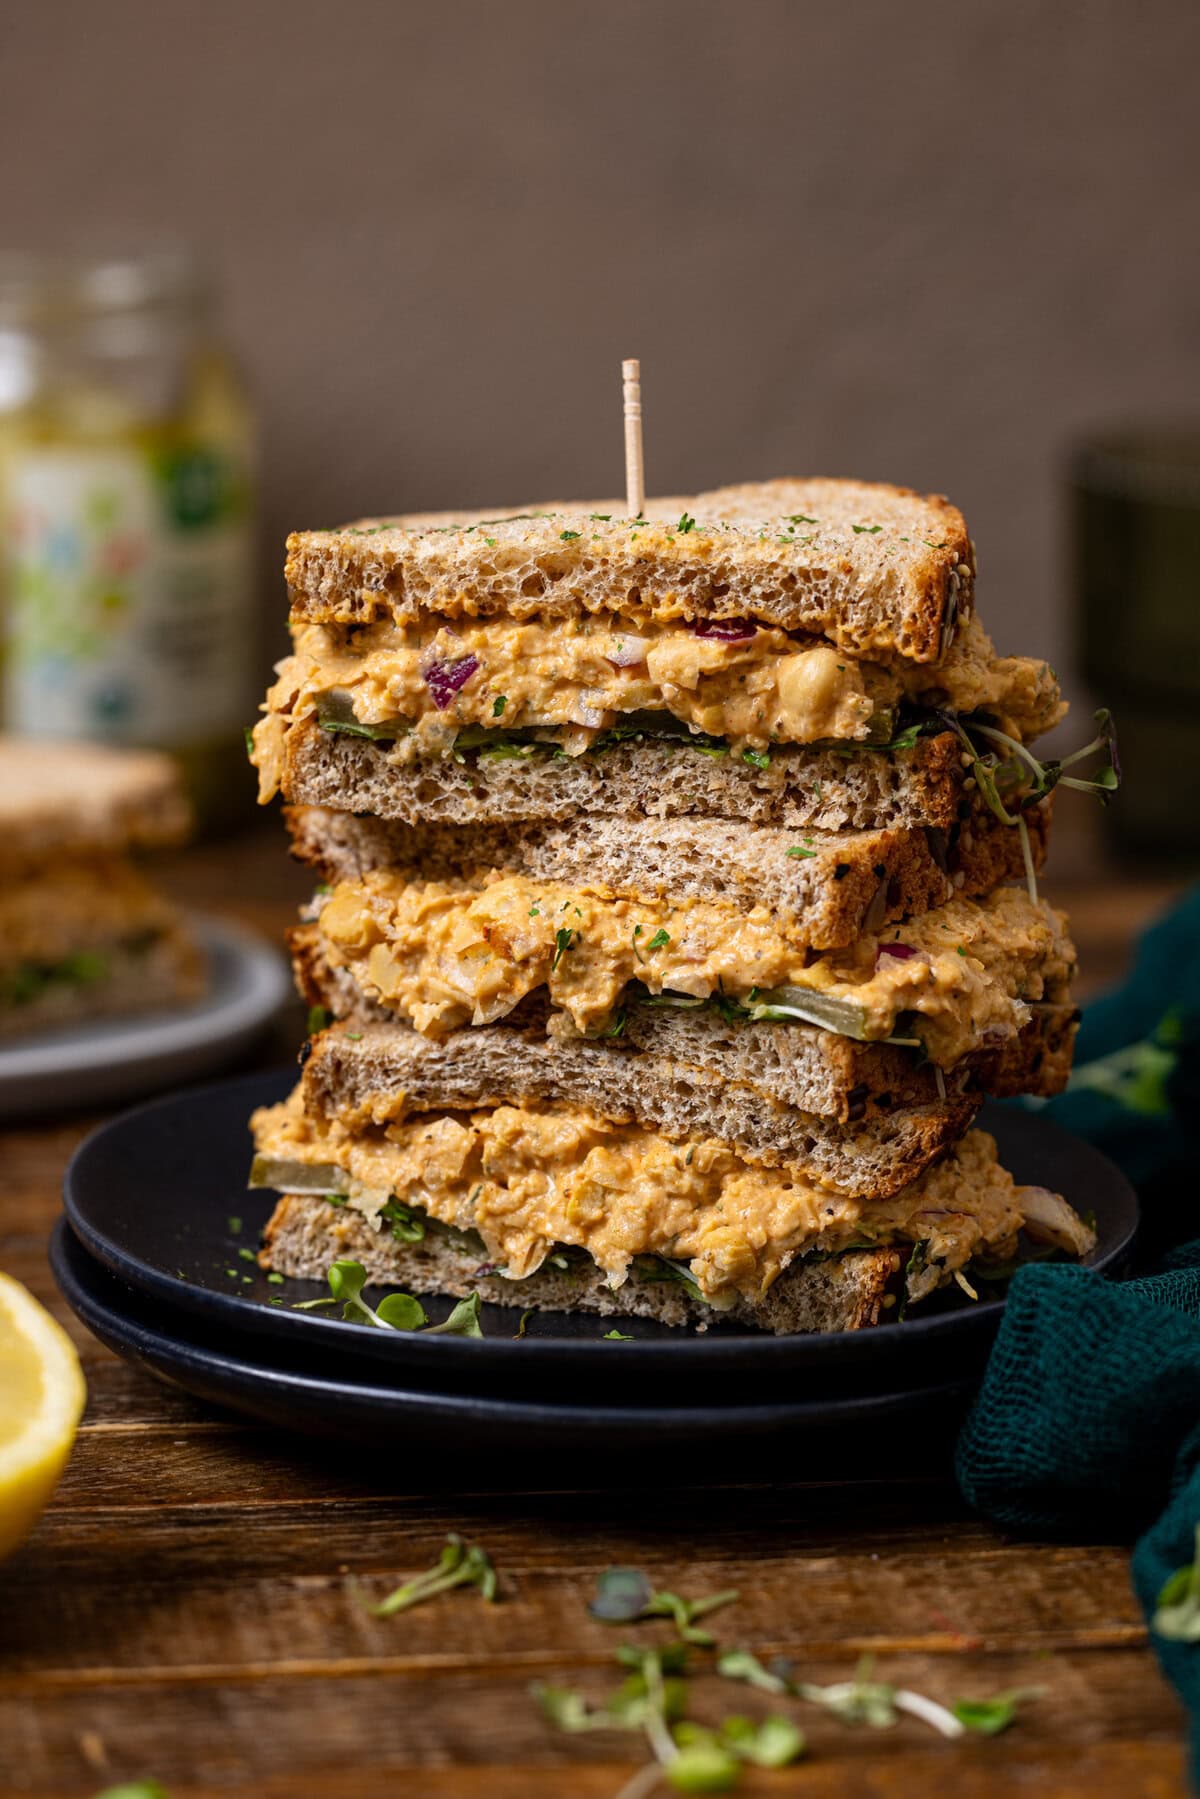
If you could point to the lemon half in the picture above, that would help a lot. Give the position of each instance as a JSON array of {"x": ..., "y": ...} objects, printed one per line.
[{"x": 41, "y": 1397}]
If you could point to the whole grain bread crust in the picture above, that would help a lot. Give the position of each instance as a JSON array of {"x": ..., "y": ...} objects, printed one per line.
[
  {"x": 304, "y": 1236},
  {"x": 383, "y": 1073},
  {"x": 784, "y": 1064},
  {"x": 826, "y": 888},
  {"x": 879, "y": 570},
  {"x": 802, "y": 788}
]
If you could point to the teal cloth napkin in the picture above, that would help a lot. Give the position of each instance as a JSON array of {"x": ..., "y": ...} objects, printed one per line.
[{"x": 1088, "y": 1419}]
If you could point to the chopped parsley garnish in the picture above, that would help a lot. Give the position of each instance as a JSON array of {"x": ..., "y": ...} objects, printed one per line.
[
  {"x": 659, "y": 940},
  {"x": 799, "y": 518},
  {"x": 247, "y": 1255},
  {"x": 617, "y": 1337},
  {"x": 535, "y": 911},
  {"x": 865, "y": 530},
  {"x": 569, "y": 536},
  {"x": 235, "y": 1226},
  {"x": 498, "y": 705},
  {"x": 603, "y": 517},
  {"x": 797, "y": 851},
  {"x": 687, "y": 523},
  {"x": 563, "y": 941},
  {"x": 757, "y": 758}
]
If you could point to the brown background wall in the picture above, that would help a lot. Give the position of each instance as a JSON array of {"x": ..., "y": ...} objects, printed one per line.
[{"x": 929, "y": 242}]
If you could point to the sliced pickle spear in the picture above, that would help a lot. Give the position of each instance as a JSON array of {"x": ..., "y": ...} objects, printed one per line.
[
  {"x": 844, "y": 1016},
  {"x": 296, "y": 1177},
  {"x": 335, "y": 712}
]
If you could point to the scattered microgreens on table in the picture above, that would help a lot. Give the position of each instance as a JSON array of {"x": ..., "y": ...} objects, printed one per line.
[{"x": 697, "y": 1758}]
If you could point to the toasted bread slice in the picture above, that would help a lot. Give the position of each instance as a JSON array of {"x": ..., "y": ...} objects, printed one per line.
[
  {"x": 880, "y": 571},
  {"x": 790, "y": 1065},
  {"x": 828, "y": 887},
  {"x": 384, "y": 1073},
  {"x": 686, "y": 1212},
  {"x": 83, "y": 799},
  {"x": 801, "y": 788},
  {"x": 848, "y": 1292}
]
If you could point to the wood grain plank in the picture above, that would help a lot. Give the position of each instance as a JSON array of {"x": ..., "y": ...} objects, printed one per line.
[
  {"x": 244, "y": 1734},
  {"x": 1107, "y": 1771},
  {"x": 286, "y": 1593}
]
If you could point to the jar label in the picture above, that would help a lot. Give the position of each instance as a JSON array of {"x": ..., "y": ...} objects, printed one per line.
[{"x": 129, "y": 594}]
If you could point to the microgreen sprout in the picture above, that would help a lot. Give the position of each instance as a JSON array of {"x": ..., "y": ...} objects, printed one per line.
[
  {"x": 395, "y": 1312},
  {"x": 625, "y": 1596},
  {"x": 690, "y": 1757},
  {"x": 460, "y": 1564},
  {"x": 399, "y": 1311},
  {"x": 1177, "y": 1616},
  {"x": 990, "y": 1716},
  {"x": 876, "y": 1703}
]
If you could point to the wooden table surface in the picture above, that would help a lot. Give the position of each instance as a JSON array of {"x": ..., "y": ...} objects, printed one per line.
[{"x": 184, "y": 1610}]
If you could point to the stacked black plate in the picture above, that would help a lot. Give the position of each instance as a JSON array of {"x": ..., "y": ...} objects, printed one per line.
[{"x": 156, "y": 1255}]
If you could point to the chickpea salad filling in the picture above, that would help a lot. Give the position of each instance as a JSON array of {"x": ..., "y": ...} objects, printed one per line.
[
  {"x": 529, "y": 1182},
  {"x": 442, "y": 954},
  {"x": 434, "y": 687}
]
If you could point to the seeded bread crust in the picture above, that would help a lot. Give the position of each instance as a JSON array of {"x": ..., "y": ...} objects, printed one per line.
[
  {"x": 827, "y": 888},
  {"x": 793, "y": 1066},
  {"x": 382, "y": 1074},
  {"x": 881, "y": 571},
  {"x": 802, "y": 789},
  {"x": 304, "y": 1236},
  {"x": 169, "y": 973}
]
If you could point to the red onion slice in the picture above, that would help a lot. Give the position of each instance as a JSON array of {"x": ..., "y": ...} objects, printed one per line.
[
  {"x": 444, "y": 679},
  {"x": 901, "y": 951},
  {"x": 725, "y": 630}
]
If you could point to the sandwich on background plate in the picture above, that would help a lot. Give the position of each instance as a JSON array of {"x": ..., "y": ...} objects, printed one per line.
[
  {"x": 677, "y": 907},
  {"x": 83, "y": 935}
]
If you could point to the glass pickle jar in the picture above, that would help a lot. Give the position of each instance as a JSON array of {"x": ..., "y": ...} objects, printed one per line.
[{"x": 127, "y": 469}]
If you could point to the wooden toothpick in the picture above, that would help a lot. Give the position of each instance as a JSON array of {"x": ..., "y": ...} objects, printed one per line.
[{"x": 635, "y": 473}]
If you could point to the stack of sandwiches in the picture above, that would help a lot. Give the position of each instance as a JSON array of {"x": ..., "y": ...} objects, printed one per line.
[
  {"x": 675, "y": 908},
  {"x": 83, "y": 934}
]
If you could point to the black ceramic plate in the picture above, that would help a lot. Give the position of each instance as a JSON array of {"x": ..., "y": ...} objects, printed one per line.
[
  {"x": 421, "y": 1439},
  {"x": 152, "y": 1195}
]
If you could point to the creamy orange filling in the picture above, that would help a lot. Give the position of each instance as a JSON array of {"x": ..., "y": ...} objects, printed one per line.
[
  {"x": 530, "y": 1180},
  {"x": 447, "y": 953},
  {"x": 574, "y": 679}
]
